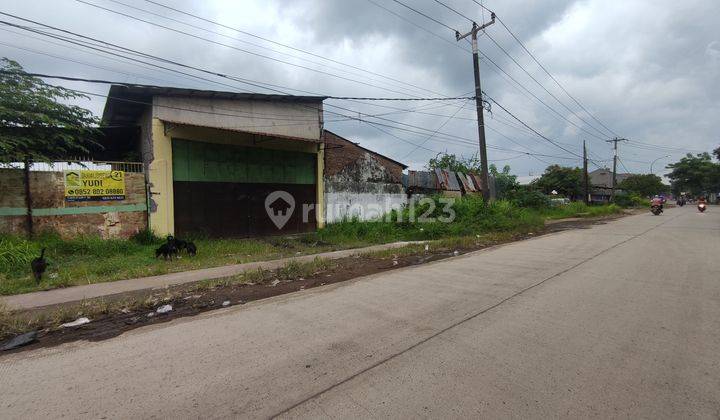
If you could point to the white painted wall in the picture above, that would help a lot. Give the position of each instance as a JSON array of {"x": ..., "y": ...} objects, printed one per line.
[{"x": 364, "y": 206}]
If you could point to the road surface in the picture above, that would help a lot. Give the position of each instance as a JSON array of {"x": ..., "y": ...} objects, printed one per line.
[{"x": 619, "y": 320}]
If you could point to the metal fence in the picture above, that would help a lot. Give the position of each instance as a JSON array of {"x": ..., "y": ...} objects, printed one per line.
[{"x": 79, "y": 164}]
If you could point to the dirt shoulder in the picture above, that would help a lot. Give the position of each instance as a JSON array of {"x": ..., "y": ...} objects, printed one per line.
[{"x": 112, "y": 317}]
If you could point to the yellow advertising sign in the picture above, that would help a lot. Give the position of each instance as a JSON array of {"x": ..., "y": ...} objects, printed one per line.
[{"x": 94, "y": 185}]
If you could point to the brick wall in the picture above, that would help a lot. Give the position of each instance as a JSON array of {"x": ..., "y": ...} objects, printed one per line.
[
  {"x": 47, "y": 191},
  {"x": 359, "y": 183},
  {"x": 341, "y": 159}
]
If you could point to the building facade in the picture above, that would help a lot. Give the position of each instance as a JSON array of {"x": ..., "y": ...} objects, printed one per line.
[{"x": 214, "y": 159}]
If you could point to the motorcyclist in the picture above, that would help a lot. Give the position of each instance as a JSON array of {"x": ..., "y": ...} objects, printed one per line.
[{"x": 656, "y": 201}]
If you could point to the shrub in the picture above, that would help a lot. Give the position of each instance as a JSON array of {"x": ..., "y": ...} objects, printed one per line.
[
  {"x": 146, "y": 237},
  {"x": 630, "y": 200},
  {"x": 16, "y": 254},
  {"x": 529, "y": 198}
]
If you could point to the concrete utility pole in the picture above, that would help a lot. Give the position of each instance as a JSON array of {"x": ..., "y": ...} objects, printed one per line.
[
  {"x": 479, "y": 102},
  {"x": 586, "y": 184},
  {"x": 615, "y": 158}
]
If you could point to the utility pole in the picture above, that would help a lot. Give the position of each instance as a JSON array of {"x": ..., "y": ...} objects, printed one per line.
[
  {"x": 615, "y": 158},
  {"x": 479, "y": 103},
  {"x": 586, "y": 184}
]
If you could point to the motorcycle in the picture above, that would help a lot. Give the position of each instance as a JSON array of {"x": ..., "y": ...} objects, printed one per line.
[
  {"x": 656, "y": 209},
  {"x": 681, "y": 203},
  {"x": 702, "y": 207}
]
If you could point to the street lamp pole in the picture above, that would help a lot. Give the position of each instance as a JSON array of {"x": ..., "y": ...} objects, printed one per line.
[{"x": 653, "y": 162}]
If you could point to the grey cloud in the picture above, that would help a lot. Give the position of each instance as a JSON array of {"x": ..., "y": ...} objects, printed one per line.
[{"x": 650, "y": 69}]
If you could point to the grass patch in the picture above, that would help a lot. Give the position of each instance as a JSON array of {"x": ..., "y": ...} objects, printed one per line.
[{"x": 85, "y": 260}]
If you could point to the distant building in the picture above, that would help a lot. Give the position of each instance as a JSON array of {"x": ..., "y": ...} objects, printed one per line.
[
  {"x": 601, "y": 184},
  {"x": 527, "y": 180}
]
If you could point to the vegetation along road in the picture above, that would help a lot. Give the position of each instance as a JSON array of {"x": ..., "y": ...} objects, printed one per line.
[{"x": 589, "y": 322}]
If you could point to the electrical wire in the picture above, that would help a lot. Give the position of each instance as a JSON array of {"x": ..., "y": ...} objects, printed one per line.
[
  {"x": 547, "y": 71},
  {"x": 175, "y": 9}
]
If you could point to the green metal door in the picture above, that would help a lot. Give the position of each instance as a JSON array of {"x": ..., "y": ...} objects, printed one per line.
[{"x": 220, "y": 190}]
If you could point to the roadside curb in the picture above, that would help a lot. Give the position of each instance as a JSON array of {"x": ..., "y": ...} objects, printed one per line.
[{"x": 35, "y": 300}]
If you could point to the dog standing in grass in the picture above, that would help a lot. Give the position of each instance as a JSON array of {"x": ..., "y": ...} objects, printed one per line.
[
  {"x": 38, "y": 266},
  {"x": 167, "y": 250}
]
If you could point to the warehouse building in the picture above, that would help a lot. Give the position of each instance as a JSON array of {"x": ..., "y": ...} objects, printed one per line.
[{"x": 213, "y": 160}]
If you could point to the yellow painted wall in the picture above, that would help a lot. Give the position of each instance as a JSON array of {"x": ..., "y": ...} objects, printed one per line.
[
  {"x": 162, "y": 221},
  {"x": 320, "y": 206}
]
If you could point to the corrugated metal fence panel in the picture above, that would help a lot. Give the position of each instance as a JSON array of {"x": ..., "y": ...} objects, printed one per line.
[
  {"x": 420, "y": 179},
  {"x": 209, "y": 162},
  {"x": 467, "y": 184}
]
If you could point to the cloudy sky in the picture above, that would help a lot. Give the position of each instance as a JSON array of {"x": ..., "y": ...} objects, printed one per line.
[{"x": 645, "y": 70}]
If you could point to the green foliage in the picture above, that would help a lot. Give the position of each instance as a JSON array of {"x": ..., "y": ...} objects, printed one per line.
[
  {"x": 146, "y": 237},
  {"x": 580, "y": 209},
  {"x": 630, "y": 200},
  {"x": 504, "y": 181},
  {"x": 451, "y": 162},
  {"x": 523, "y": 197},
  {"x": 16, "y": 253},
  {"x": 645, "y": 185},
  {"x": 566, "y": 181},
  {"x": 472, "y": 216},
  {"x": 35, "y": 124},
  {"x": 696, "y": 174}
]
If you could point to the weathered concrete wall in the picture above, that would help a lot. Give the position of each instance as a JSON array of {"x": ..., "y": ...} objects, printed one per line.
[
  {"x": 108, "y": 219},
  {"x": 359, "y": 183},
  {"x": 288, "y": 119}
]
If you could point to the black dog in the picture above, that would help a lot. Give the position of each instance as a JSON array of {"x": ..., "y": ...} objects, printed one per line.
[
  {"x": 177, "y": 243},
  {"x": 167, "y": 251},
  {"x": 191, "y": 249},
  {"x": 39, "y": 265}
]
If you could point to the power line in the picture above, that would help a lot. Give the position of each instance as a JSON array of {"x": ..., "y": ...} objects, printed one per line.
[
  {"x": 547, "y": 71},
  {"x": 535, "y": 131},
  {"x": 433, "y": 134},
  {"x": 109, "y": 82},
  {"x": 453, "y": 10},
  {"x": 445, "y": 135},
  {"x": 547, "y": 91},
  {"x": 528, "y": 74},
  {"x": 251, "y": 43},
  {"x": 239, "y": 49},
  {"x": 501, "y": 70},
  {"x": 425, "y": 15},
  {"x": 286, "y": 45}
]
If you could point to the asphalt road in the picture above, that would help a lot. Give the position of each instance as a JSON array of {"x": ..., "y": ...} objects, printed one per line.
[{"x": 619, "y": 320}]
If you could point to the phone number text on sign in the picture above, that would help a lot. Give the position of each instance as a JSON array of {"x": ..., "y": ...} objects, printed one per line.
[{"x": 94, "y": 185}]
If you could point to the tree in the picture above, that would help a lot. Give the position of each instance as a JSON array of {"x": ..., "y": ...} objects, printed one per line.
[
  {"x": 716, "y": 152},
  {"x": 35, "y": 124},
  {"x": 451, "y": 162},
  {"x": 643, "y": 185},
  {"x": 695, "y": 174},
  {"x": 504, "y": 181},
  {"x": 566, "y": 181}
]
